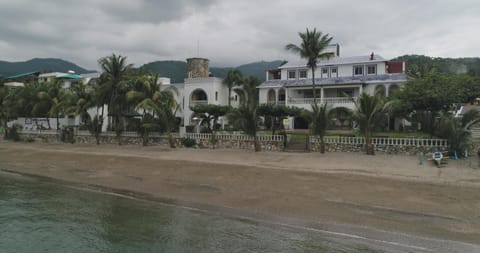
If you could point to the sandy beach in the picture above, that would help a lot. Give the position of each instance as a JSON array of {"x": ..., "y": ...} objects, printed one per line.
[{"x": 383, "y": 192}]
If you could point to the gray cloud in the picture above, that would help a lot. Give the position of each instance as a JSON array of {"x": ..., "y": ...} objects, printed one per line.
[{"x": 231, "y": 32}]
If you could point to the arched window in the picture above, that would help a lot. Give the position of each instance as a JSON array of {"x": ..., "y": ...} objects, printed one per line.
[
  {"x": 198, "y": 96},
  {"x": 380, "y": 89},
  {"x": 271, "y": 97}
]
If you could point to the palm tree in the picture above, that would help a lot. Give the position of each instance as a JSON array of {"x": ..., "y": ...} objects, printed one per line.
[
  {"x": 312, "y": 49},
  {"x": 113, "y": 78},
  {"x": 320, "y": 118},
  {"x": 246, "y": 117},
  {"x": 369, "y": 113},
  {"x": 457, "y": 131},
  {"x": 233, "y": 78}
]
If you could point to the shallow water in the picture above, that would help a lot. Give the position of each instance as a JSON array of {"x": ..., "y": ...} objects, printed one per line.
[{"x": 43, "y": 216}]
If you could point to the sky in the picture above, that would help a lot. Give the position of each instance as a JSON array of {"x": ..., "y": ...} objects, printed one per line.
[{"x": 232, "y": 32}]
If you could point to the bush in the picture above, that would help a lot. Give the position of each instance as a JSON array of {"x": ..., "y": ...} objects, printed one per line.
[
  {"x": 188, "y": 143},
  {"x": 67, "y": 135},
  {"x": 30, "y": 139},
  {"x": 11, "y": 133}
]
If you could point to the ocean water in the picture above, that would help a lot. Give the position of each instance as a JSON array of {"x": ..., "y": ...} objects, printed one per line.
[{"x": 44, "y": 216}]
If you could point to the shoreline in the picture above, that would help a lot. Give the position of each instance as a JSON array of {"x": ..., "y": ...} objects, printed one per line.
[
  {"x": 323, "y": 195},
  {"x": 392, "y": 240}
]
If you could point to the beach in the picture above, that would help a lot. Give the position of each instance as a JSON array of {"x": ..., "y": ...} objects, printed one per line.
[{"x": 349, "y": 191}]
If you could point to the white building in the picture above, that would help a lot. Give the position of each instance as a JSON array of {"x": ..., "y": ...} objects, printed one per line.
[
  {"x": 200, "y": 88},
  {"x": 335, "y": 80}
]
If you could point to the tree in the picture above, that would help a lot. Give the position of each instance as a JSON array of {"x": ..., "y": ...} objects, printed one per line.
[
  {"x": 457, "y": 131},
  {"x": 274, "y": 114},
  {"x": 210, "y": 114},
  {"x": 320, "y": 118},
  {"x": 234, "y": 78},
  {"x": 113, "y": 81},
  {"x": 312, "y": 49},
  {"x": 369, "y": 113},
  {"x": 246, "y": 117}
]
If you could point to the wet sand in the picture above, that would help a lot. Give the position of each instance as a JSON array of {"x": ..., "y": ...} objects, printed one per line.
[{"x": 346, "y": 191}]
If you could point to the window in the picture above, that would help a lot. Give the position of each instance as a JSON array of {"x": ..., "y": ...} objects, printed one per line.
[
  {"x": 357, "y": 70},
  {"x": 333, "y": 70},
  {"x": 303, "y": 73},
  {"x": 216, "y": 95},
  {"x": 371, "y": 69},
  {"x": 292, "y": 74},
  {"x": 324, "y": 71}
]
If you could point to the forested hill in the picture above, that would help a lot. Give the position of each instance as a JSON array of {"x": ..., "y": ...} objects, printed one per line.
[
  {"x": 470, "y": 65},
  {"x": 177, "y": 70},
  {"x": 41, "y": 65}
]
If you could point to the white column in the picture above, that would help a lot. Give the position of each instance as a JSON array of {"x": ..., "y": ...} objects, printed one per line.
[
  {"x": 321, "y": 95},
  {"x": 286, "y": 96},
  {"x": 361, "y": 89}
]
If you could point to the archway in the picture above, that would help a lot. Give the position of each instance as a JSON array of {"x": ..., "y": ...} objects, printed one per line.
[
  {"x": 198, "y": 96},
  {"x": 271, "y": 96},
  {"x": 380, "y": 89}
]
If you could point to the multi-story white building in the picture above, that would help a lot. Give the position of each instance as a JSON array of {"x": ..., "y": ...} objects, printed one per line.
[
  {"x": 336, "y": 80},
  {"x": 199, "y": 88}
]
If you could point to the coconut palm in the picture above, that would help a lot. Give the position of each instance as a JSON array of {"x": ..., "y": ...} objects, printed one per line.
[
  {"x": 233, "y": 78},
  {"x": 151, "y": 97},
  {"x": 320, "y": 118},
  {"x": 312, "y": 49},
  {"x": 246, "y": 117},
  {"x": 369, "y": 113},
  {"x": 113, "y": 81},
  {"x": 457, "y": 131}
]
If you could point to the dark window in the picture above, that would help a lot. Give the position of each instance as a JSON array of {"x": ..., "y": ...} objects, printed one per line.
[
  {"x": 303, "y": 74},
  {"x": 372, "y": 69},
  {"x": 216, "y": 95},
  {"x": 292, "y": 74},
  {"x": 358, "y": 70}
]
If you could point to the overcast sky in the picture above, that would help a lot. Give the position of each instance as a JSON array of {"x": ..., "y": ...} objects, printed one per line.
[{"x": 232, "y": 32}]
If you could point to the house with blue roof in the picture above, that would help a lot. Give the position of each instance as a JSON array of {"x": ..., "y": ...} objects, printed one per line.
[{"x": 336, "y": 80}]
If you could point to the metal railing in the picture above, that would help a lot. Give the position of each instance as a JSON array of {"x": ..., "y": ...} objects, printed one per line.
[
  {"x": 410, "y": 142},
  {"x": 329, "y": 100},
  {"x": 235, "y": 137}
]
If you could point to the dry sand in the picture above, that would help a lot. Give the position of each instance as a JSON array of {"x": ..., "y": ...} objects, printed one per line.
[{"x": 385, "y": 192}]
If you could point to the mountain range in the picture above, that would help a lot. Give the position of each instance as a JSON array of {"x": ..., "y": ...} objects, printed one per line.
[{"x": 176, "y": 70}]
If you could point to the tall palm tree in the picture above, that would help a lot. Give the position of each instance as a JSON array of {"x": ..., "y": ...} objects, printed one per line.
[
  {"x": 312, "y": 49},
  {"x": 369, "y": 113},
  {"x": 233, "y": 78},
  {"x": 113, "y": 81},
  {"x": 246, "y": 117}
]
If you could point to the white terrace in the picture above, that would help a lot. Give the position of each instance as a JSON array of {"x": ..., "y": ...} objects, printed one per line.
[{"x": 336, "y": 80}]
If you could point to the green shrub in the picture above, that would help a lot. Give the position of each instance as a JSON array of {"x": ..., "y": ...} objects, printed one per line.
[
  {"x": 188, "y": 143},
  {"x": 11, "y": 133}
]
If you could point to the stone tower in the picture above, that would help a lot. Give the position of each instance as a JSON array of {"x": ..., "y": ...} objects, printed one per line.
[{"x": 197, "y": 68}]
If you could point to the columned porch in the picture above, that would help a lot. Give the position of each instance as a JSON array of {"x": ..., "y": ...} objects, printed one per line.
[{"x": 333, "y": 95}]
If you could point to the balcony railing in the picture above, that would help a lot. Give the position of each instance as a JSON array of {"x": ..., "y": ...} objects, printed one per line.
[
  {"x": 329, "y": 100},
  {"x": 198, "y": 102}
]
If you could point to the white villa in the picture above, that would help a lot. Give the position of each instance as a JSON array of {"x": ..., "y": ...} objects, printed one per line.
[
  {"x": 335, "y": 80},
  {"x": 200, "y": 88}
]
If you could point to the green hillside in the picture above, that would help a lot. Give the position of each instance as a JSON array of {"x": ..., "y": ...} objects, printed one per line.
[
  {"x": 177, "y": 70},
  {"x": 470, "y": 65},
  {"x": 41, "y": 65}
]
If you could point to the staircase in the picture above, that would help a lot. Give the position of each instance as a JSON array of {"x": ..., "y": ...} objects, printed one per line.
[
  {"x": 296, "y": 143},
  {"x": 475, "y": 135}
]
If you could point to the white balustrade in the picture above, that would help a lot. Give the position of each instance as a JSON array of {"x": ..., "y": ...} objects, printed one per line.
[{"x": 409, "y": 142}]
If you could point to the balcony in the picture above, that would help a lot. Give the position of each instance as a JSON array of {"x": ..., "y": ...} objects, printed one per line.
[
  {"x": 330, "y": 100},
  {"x": 198, "y": 102}
]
